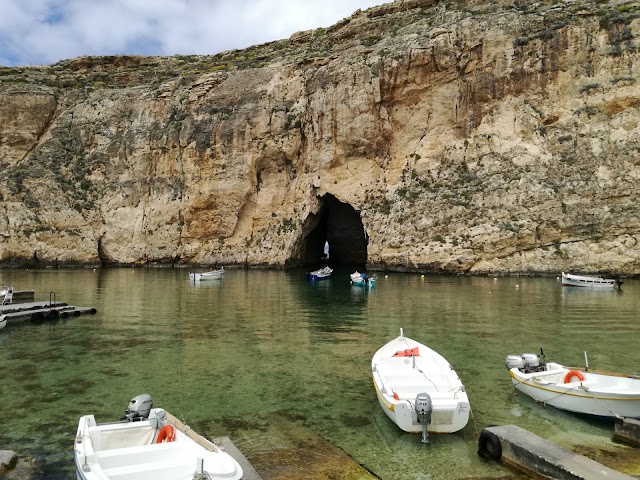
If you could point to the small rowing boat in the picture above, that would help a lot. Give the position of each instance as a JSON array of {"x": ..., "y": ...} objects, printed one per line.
[
  {"x": 418, "y": 389},
  {"x": 148, "y": 443}
]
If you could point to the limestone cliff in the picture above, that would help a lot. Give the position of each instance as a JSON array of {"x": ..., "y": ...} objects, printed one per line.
[{"x": 456, "y": 136}]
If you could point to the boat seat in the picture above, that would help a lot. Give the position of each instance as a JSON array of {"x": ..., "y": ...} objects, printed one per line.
[
  {"x": 172, "y": 468},
  {"x": 147, "y": 453}
]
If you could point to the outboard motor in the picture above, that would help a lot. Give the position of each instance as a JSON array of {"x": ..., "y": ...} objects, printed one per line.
[
  {"x": 514, "y": 361},
  {"x": 139, "y": 408},
  {"x": 531, "y": 362},
  {"x": 424, "y": 408}
]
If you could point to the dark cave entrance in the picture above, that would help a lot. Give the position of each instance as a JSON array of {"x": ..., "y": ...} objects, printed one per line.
[{"x": 339, "y": 224}]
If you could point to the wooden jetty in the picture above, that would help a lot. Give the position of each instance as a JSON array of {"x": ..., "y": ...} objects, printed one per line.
[{"x": 41, "y": 311}]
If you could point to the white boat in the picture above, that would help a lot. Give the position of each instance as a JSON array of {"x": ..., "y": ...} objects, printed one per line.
[
  {"x": 591, "y": 392},
  {"x": 3, "y": 321},
  {"x": 150, "y": 444},
  {"x": 210, "y": 275},
  {"x": 362, "y": 279},
  {"x": 570, "y": 280},
  {"x": 321, "y": 273},
  {"x": 358, "y": 278},
  {"x": 418, "y": 389}
]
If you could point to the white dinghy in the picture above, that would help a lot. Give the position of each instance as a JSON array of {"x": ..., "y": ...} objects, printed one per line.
[
  {"x": 569, "y": 280},
  {"x": 418, "y": 389},
  {"x": 578, "y": 390},
  {"x": 210, "y": 275},
  {"x": 149, "y": 444}
]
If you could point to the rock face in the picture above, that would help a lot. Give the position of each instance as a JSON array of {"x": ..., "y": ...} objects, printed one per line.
[{"x": 470, "y": 136}]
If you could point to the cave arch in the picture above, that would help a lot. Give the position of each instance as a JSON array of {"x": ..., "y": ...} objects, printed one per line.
[{"x": 339, "y": 224}]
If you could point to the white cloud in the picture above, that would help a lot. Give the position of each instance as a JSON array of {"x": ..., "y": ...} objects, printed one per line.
[{"x": 34, "y": 32}]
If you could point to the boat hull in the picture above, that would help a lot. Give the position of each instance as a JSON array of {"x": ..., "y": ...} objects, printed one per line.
[
  {"x": 129, "y": 451},
  {"x": 321, "y": 274},
  {"x": 587, "y": 282},
  {"x": 598, "y": 394},
  {"x": 214, "y": 275},
  {"x": 398, "y": 380}
]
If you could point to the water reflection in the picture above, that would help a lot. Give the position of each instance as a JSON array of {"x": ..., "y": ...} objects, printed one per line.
[{"x": 267, "y": 351}]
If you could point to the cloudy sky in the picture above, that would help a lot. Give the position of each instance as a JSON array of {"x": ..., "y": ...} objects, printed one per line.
[{"x": 42, "y": 32}]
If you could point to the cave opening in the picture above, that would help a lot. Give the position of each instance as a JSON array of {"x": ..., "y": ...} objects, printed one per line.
[{"x": 340, "y": 225}]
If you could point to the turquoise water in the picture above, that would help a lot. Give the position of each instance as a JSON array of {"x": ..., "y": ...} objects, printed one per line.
[{"x": 282, "y": 365}]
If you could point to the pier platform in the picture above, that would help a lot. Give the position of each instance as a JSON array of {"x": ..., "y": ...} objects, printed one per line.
[
  {"x": 627, "y": 430},
  {"x": 532, "y": 454},
  {"x": 41, "y": 311}
]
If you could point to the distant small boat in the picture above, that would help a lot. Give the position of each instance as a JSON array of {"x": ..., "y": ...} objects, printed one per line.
[
  {"x": 149, "y": 443},
  {"x": 321, "y": 273},
  {"x": 578, "y": 390},
  {"x": 362, "y": 279},
  {"x": 418, "y": 389},
  {"x": 570, "y": 280},
  {"x": 210, "y": 275}
]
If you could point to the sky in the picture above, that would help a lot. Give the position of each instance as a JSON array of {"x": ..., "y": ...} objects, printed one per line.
[{"x": 43, "y": 32}]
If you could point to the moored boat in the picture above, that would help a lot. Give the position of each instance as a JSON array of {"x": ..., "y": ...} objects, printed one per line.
[
  {"x": 578, "y": 390},
  {"x": 362, "y": 279},
  {"x": 418, "y": 389},
  {"x": 320, "y": 274},
  {"x": 149, "y": 444},
  {"x": 210, "y": 275},
  {"x": 570, "y": 280}
]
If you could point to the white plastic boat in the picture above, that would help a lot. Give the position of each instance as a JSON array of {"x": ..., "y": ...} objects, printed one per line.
[
  {"x": 570, "y": 280},
  {"x": 362, "y": 279},
  {"x": 321, "y": 273},
  {"x": 418, "y": 389},
  {"x": 150, "y": 444},
  {"x": 3, "y": 321},
  {"x": 577, "y": 390},
  {"x": 210, "y": 275}
]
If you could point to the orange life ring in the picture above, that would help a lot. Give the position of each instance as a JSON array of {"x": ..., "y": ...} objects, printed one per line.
[
  {"x": 166, "y": 433},
  {"x": 573, "y": 373}
]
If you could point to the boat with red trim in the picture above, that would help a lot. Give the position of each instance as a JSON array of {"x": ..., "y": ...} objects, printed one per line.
[{"x": 418, "y": 389}]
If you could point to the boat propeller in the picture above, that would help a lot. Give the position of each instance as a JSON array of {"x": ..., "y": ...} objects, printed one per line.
[{"x": 424, "y": 408}]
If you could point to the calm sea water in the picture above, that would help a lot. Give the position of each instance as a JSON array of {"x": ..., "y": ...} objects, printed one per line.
[{"x": 282, "y": 365}]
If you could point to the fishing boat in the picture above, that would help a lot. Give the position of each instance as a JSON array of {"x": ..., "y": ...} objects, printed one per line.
[
  {"x": 210, "y": 275},
  {"x": 321, "y": 273},
  {"x": 148, "y": 443},
  {"x": 579, "y": 390},
  {"x": 418, "y": 389},
  {"x": 570, "y": 280}
]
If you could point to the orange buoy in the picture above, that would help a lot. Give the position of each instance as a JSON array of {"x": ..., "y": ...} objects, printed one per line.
[
  {"x": 573, "y": 373},
  {"x": 166, "y": 433}
]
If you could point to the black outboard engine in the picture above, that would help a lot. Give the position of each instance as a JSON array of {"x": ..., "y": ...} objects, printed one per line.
[
  {"x": 424, "y": 408},
  {"x": 139, "y": 408}
]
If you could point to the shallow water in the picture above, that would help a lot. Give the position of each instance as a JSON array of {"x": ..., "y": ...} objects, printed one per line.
[{"x": 282, "y": 365}]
